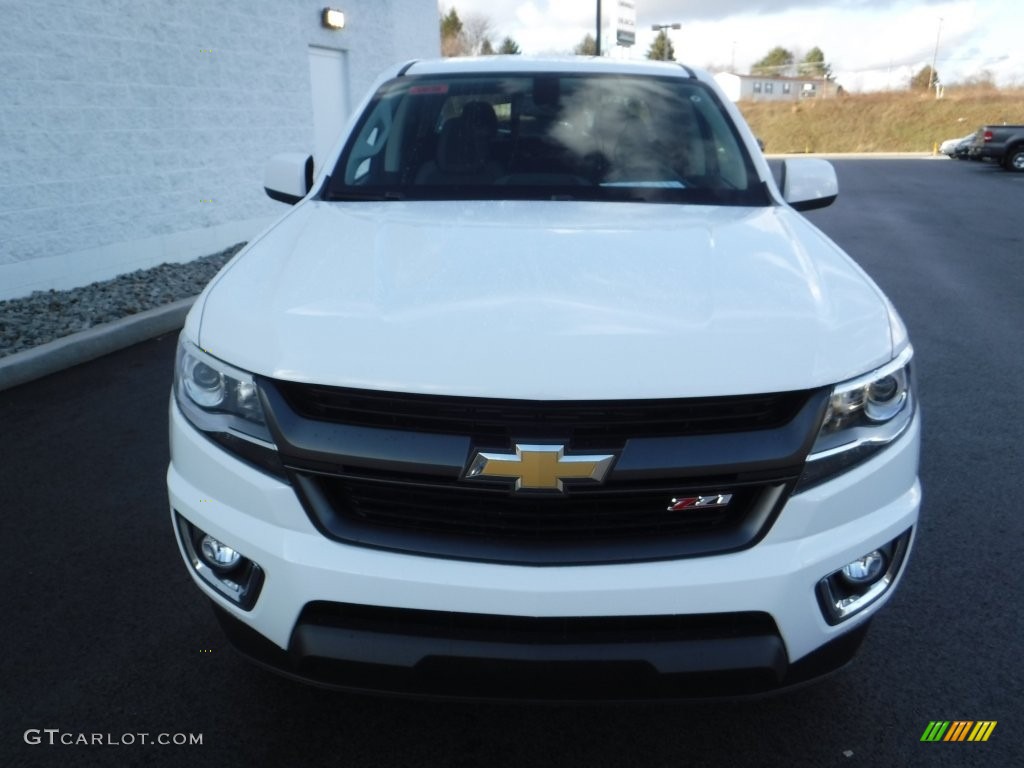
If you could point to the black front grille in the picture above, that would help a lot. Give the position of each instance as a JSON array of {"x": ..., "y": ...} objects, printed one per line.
[
  {"x": 524, "y": 657},
  {"x": 480, "y": 656},
  {"x": 579, "y": 514},
  {"x": 388, "y": 470},
  {"x": 607, "y": 524},
  {"x": 536, "y": 629},
  {"x": 582, "y": 423}
]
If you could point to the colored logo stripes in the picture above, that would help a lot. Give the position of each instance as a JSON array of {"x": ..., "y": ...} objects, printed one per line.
[{"x": 958, "y": 730}]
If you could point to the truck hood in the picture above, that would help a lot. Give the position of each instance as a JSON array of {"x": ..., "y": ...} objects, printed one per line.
[{"x": 545, "y": 300}]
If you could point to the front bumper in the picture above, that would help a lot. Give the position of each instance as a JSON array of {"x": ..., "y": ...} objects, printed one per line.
[
  {"x": 473, "y": 656},
  {"x": 367, "y": 619}
]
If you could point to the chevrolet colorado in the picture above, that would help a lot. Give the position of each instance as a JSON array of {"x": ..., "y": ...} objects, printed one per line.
[{"x": 544, "y": 388}]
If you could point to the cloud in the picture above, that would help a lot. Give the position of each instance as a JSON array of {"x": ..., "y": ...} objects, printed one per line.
[
  {"x": 651, "y": 11},
  {"x": 871, "y": 40}
]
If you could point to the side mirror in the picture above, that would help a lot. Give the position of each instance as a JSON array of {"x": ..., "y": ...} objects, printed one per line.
[
  {"x": 809, "y": 183},
  {"x": 288, "y": 177}
]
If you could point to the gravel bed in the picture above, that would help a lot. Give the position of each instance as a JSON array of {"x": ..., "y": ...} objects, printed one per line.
[{"x": 47, "y": 315}]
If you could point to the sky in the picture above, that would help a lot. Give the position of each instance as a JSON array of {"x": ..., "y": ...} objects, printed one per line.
[{"x": 871, "y": 44}]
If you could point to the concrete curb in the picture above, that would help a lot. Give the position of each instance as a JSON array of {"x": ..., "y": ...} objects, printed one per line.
[{"x": 89, "y": 344}]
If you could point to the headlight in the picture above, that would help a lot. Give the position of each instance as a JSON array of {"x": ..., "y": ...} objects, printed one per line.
[
  {"x": 223, "y": 402},
  {"x": 863, "y": 416}
]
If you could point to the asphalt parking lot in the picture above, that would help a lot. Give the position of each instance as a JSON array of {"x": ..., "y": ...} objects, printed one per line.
[{"x": 106, "y": 634}]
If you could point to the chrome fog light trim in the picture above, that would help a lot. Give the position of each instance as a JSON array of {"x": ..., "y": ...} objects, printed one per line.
[
  {"x": 861, "y": 582},
  {"x": 240, "y": 582}
]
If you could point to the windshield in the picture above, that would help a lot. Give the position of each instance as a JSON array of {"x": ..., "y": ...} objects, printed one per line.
[{"x": 566, "y": 136}]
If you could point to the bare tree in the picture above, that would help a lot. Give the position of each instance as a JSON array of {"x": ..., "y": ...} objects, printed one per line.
[
  {"x": 470, "y": 36},
  {"x": 476, "y": 30},
  {"x": 983, "y": 79}
]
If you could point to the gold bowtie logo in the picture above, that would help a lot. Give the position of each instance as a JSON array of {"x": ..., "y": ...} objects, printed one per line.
[{"x": 540, "y": 467}]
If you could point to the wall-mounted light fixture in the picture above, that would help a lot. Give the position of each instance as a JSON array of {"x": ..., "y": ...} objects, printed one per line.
[{"x": 333, "y": 19}]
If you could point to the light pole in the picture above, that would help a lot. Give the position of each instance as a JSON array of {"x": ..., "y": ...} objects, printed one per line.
[
  {"x": 665, "y": 28},
  {"x": 935, "y": 58}
]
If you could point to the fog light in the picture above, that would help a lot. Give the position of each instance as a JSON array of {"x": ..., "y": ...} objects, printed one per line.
[
  {"x": 213, "y": 562},
  {"x": 863, "y": 581},
  {"x": 218, "y": 555},
  {"x": 865, "y": 570}
]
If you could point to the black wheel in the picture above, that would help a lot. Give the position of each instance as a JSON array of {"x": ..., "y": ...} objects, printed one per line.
[{"x": 1014, "y": 160}]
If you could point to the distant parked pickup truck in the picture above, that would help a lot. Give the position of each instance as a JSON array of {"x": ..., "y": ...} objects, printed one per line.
[{"x": 1002, "y": 143}]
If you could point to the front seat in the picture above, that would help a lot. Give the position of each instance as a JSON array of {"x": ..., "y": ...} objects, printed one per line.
[{"x": 464, "y": 149}]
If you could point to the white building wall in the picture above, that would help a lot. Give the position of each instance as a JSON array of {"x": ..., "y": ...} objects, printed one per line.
[{"x": 134, "y": 132}]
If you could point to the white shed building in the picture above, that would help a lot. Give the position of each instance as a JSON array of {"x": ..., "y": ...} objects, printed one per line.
[{"x": 773, "y": 87}]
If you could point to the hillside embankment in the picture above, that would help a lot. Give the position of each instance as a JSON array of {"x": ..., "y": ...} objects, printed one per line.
[{"x": 879, "y": 122}]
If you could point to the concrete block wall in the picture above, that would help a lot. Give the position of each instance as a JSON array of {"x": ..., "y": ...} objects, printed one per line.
[{"x": 134, "y": 132}]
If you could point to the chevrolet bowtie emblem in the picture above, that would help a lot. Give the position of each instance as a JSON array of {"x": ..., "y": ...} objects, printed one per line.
[{"x": 540, "y": 467}]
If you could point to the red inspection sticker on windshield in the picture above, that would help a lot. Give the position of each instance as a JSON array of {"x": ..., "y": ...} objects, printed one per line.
[{"x": 419, "y": 90}]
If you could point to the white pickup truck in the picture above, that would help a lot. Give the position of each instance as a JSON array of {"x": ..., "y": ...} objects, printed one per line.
[{"x": 544, "y": 388}]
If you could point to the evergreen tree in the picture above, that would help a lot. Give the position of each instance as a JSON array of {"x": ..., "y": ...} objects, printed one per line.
[
  {"x": 776, "y": 62},
  {"x": 586, "y": 47},
  {"x": 813, "y": 64},
  {"x": 925, "y": 78},
  {"x": 661, "y": 49},
  {"x": 452, "y": 40},
  {"x": 509, "y": 46}
]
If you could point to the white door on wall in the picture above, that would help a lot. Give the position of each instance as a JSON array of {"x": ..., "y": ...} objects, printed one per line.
[{"x": 328, "y": 73}]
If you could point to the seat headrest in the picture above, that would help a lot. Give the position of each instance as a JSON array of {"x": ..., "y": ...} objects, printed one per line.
[
  {"x": 461, "y": 148},
  {"x": 481, "y": 117}
]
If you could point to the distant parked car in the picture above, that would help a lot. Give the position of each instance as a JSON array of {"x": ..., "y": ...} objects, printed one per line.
[
  {"x": 963, "y": 148},
  {"x": 957, "y": 148}
]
